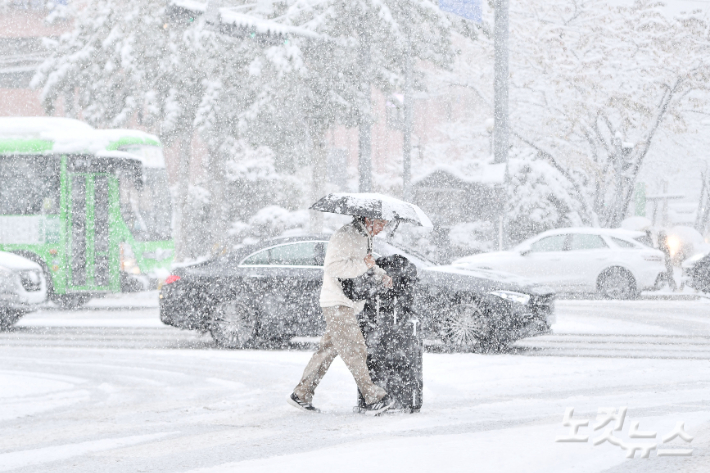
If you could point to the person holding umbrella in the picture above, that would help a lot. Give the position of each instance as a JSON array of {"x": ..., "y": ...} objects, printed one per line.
[
  {"x": 665, "y": 247},
  {"x": 348, "y": 256}
]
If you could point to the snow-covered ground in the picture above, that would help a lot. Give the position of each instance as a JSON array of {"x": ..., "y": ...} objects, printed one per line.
[{"x": 84, "y": 391}]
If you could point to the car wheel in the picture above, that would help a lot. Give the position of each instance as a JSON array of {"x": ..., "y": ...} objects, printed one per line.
[
  {"x": 233, "y": 324},
  {"x": 70, "y": 301},
  {"x": 617, "y": 283},
  {"x": 466, "y": 326}
]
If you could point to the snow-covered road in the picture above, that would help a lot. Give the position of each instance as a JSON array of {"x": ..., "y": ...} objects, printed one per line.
[
  {"x": 627, "y": 329},
  {"x": 109, "y": 389}
]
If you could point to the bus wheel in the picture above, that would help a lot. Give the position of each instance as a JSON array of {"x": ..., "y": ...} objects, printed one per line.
[{"x": 70, "y": 301}]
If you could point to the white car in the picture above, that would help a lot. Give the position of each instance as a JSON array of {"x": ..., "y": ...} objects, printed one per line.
[
  {"x": 580, "y": 260},
  {"x": 22, "y": 287}
]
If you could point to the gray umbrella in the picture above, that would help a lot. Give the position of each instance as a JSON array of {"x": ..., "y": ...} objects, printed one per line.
[{"x": 373, "y": 206}]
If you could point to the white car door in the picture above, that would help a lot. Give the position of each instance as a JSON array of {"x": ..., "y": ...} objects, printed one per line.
[
  {"x": 544, "y": 262},
  {"x": 587, "y": 256}
]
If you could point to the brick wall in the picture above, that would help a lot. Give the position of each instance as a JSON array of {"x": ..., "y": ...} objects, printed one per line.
[{"x": 22, "y": 27}]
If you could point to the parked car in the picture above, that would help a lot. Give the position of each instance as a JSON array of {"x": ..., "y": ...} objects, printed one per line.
[
  {"x": 696, "y": 272},
  {"x": 270, "y": 291},
  {"x": 22, "y": 287},
  {"x": 615, "y": 263}
]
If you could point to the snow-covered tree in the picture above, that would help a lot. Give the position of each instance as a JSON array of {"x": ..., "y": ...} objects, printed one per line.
[
  {"x": 336, "y": 52},
  {"x": 539, "y": 198},
  {"x": 122, "y": 62},
  {"x": 125, "y": 61},
  {"x": 111, "y": 59},
  {"x": 228, "y": 90},
  {"x": 593, "y": 83},
  {"x": 287, "y": 94}
]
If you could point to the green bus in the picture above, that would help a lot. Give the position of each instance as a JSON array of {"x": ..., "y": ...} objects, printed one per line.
[{"x": 91, "y": 206}]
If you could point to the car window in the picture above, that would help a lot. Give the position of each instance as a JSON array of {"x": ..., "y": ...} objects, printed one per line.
[
  {"x": 551, "y": 243},
  {"x": 623, "y": 243},
  {"x": 296, "y": 254},
  {"x": 585, "y": 241},
  {"x": 306, "y": 253},
  {"x": 385, "y": 248},
  {"x": 262, "y": 257},
  {"x": 645, "y": 240}
]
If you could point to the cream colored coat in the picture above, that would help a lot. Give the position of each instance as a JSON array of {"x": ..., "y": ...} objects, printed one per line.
[{"x": 345, "y": 259}]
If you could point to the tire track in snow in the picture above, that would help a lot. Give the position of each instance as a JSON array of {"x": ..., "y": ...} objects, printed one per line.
[
  {"x": 25, "y": 458},
  {"x": 105, "y": 337}
]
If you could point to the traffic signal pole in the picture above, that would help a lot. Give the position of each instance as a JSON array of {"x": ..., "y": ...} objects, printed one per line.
[
  {"x": 500, "y": 85},
  {"x": 500, "y": 105}
]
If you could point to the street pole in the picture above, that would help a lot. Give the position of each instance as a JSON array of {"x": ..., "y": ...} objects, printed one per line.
[
  {"x": 365, "y": 125},
  {"x": 500, "y": 105},
  {"x": 500, "y": 85},
  {"x": 407, "y": 143}
]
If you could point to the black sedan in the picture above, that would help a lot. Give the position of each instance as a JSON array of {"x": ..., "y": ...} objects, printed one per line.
[
  {"x": 696, "y": 272},
  {"x": 269, "y": 292}
]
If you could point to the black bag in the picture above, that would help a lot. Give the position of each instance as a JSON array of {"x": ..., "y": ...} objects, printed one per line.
[{"x": 393, "y": 337}]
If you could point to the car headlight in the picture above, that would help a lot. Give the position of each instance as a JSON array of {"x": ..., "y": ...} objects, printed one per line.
[{"x": 512, "y": 296}]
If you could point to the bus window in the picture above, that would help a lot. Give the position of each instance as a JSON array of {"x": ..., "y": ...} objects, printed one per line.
[
  {"x": 29, "y": 185},
  {"x": 147, "y": 210}
]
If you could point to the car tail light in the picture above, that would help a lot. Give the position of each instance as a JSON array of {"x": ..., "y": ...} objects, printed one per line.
[
  {"x": 654, "y": 258},
  {"x": 171, "y": 279}
]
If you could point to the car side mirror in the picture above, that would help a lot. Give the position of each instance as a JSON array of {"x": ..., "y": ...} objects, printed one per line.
[{"x": 525, "y": 251}]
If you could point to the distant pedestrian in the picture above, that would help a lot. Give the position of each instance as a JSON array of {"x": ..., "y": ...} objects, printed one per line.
[
  {"x": 664, "y": 246},
  {"x": 348, "y": 256}
]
